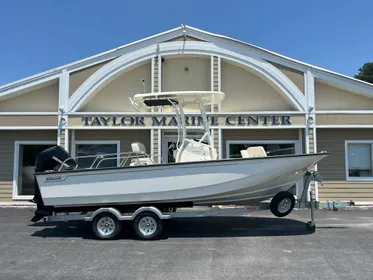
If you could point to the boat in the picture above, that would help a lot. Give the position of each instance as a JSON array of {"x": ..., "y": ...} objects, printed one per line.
[{"x": 196, "y": 178}]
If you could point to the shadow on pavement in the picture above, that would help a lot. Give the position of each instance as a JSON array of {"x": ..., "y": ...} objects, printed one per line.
[{"x": 229, "y": 226}]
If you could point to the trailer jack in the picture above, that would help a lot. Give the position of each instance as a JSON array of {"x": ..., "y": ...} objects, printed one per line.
[{"x": 309, "y": 177}]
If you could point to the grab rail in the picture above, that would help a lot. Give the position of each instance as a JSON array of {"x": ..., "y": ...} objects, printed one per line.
[{"x": 125, "y": 156}]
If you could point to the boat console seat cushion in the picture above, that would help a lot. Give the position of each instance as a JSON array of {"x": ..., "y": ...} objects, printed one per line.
[
  {"x": 254, "y": 152},
  {"x": 191, "y": 150},
  {"x": 141, "y": 161},
  {"x": 138, "y": 147}
]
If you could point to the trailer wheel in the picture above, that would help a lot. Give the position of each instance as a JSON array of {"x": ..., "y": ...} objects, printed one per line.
[
  {"x": 147, "y": 225},
  {"x": 106, "y": 226},
  {"x": 282, "y": 204}
]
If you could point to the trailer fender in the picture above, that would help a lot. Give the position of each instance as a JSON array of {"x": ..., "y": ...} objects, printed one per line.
[
  {"x": 113, "y": 211},
  {"x": 151, "y": 209},
  {"x": 127, "y": 216}
]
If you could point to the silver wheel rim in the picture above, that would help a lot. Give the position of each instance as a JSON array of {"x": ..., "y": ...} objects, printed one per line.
[
  {"x": 147, "y": 226},
  {"x": 284, "y": 205},
  {"x": 106, "y": 226}
]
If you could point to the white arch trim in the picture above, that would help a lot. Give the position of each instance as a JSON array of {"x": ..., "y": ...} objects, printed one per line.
[{"x": 105, "y": 74}]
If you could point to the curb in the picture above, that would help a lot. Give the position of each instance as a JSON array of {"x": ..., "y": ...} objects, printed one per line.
[{"x": 17, "y": 206}]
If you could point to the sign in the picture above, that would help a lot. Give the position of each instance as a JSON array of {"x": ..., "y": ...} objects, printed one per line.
[{"x": 231, "y": 120}]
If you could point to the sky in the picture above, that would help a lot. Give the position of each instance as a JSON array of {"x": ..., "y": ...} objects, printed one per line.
[{"x": 39, "y": 35}]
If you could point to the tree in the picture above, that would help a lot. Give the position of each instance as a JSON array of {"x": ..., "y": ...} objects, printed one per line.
[{"x": 365, "y": 73}]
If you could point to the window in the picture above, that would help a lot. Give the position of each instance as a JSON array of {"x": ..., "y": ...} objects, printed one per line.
[
  {"x": 234, "y": 149},
  {"x": 25, "y": 153},
  {"x": 359, "y": 159},
  {"x": 108, "y": 150}
]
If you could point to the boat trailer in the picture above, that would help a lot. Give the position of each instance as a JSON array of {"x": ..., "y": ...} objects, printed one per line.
[{"x": 147, "y": 221}]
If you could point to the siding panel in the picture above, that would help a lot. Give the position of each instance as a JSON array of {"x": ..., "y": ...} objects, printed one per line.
[
  {"x": 333, "y": 170},
  {"x": 216, "y": 78},
  {"x": 155, "y": 145},
  {"x": 79, "y": 77},
  {"x": 332, "y": 98},
  {"x": 28, "y": 120},
  {"x": 113, "y": 97},
  {"x": 246, "y": 91},
  {"x": 295, "y": 76},
  {"x": 63, "y": 138},
  {"x": 174, "y": 76},
  {"x": 42, "y": 99},
  {"x": 187, "y": 73},
  {"x": 344, "y": 119},
  {"x": 6, "y": 189},
  {"x": 156, "y": 79},
  {"x": 7, "y": 139}
]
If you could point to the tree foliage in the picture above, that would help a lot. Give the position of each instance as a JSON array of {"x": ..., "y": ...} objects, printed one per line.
[{"x": 365, "y": 73}]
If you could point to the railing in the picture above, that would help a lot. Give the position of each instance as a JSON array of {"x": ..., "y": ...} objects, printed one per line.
[{"x": 100, "y": 158}]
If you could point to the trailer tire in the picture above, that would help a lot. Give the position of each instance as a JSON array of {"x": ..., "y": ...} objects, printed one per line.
[
  {"x": 106, "y": 226},
  {"x": 282, "y": 204},
  {"x": 147, "y": 225}
]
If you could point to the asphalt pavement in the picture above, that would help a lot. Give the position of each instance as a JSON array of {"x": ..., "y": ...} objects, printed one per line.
[{"x": 254, "y": 246}]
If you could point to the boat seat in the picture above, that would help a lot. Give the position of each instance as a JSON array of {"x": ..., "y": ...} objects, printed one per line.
[
  {"x": 191, "y": 150},
  {"x": 253, "y": 152},
  {"x": 144, "y": 159},
  {"x": 138, "y": 147}
]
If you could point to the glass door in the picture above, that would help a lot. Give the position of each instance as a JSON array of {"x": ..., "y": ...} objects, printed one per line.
[
  {"x": 169, "y": 140},
  {"x": 26, "y": 167},
  {"x": 170, "y": 148}
]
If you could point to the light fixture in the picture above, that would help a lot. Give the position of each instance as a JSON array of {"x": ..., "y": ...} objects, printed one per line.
[{"x": 63, "y": 120}]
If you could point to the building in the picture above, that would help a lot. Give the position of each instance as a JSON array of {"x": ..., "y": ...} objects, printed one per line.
[{"x": 271, "y": 100}]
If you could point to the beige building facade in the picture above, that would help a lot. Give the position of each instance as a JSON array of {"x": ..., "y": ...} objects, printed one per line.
[{"x": 282, "y": 104}]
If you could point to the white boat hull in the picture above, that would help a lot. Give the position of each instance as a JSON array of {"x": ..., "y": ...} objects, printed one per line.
[{"x": 237, "y": 181}]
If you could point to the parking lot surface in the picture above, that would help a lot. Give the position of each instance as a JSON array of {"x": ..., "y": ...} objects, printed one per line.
[{"x": 254, "y": 246}]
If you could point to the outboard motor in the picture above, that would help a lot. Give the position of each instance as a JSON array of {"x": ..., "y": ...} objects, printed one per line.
[{"x": 49, "y": 159}]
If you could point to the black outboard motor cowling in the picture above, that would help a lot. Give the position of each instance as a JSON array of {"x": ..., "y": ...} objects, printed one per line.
[{"x": 45, "y": 161}]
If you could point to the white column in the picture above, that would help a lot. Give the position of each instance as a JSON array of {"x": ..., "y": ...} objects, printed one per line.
[
  {"x": 309, "y": 82},
  {"x": 159, "y": 73},
  {"x": 219, "y": 79},
  {"x": 212, "y": 77},
  {"x": 220, "y": 144},
  {"x": 152, "y": 143},
  {"x": 152, "y": 83},
  {"x": 67, "y": 143},
  {"x": 160, "y": 145},
  {"x": 152, "y": 76},
  {"x": 63, "y": 97},
  {"x": 310, "y": 94},
  {"x": 315, "y": 150}
]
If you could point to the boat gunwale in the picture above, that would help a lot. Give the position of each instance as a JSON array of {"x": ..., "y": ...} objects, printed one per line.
[{"x": 179, "y": 163}]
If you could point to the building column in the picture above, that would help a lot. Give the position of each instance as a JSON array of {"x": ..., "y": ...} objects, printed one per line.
[
  {"x": 156, "y": 87},
  {"x": 310, "y": 130},
  {"x": 215, "y": 86},
  {"x": 63, "y": 97}
]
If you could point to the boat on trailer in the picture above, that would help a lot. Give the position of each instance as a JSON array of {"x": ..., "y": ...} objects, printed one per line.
[{"x": 144, "y": 183}]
